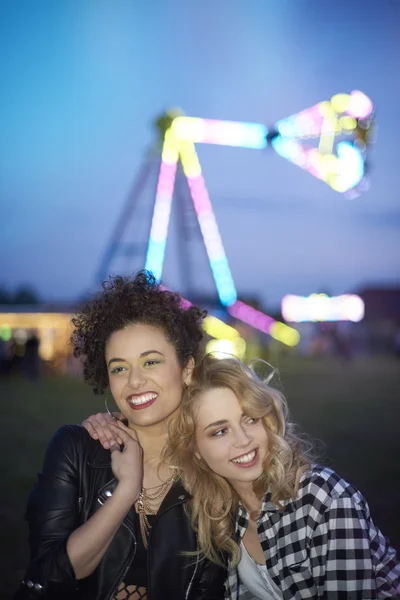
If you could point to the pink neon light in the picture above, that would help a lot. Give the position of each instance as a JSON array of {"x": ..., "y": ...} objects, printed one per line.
[
  {"x": 201, "y": 199},
  {"x": 163, "y": 200},
  {"x": 360, "y": 105},
  {"x": 205, "y": 214},
  {"x": 251, "y": 316},
  {"x": 162, "y": 207},
  {"x": 166, "y": 178}
]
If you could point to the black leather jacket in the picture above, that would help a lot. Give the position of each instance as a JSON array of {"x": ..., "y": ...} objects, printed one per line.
[{"x": 75, "y": 481}]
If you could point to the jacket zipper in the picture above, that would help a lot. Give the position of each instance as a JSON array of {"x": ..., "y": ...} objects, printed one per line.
[
  {"x": 148, "y": 556},
  {"x": 193, "y": 576},
  {"x": 130, "y": 561}
]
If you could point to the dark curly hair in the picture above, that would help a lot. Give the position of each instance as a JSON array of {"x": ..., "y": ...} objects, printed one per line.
[{"x": 128, "y": 300}]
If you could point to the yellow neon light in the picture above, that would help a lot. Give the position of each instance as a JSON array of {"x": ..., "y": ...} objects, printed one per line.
[
  {"x": 226, "y": 348},
  {"x": 218, "y": 329},
  {"x": 340, "y": 102},
  {"x": 285, "y": 334}
]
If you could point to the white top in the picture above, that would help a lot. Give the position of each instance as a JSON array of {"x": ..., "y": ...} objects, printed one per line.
[{"x": 256, "y": 578}]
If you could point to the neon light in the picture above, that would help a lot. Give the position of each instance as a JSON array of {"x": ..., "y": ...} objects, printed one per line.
[
  {"x": 162, "y": 207},
  {"x": 348, "y": 123},
  {"x": 226, "y": 133},
  {"x": 320, "y": 307},
  {"x": 5, "y": 332},
  {"x": 280, "y": 331},
  {"x": 340, "y": 102},
  {"x": 283, "y": 333},
  {"x": 227, "y": 348},
  {"x": 218, "y": 329},
  {"x": 360, "y": 106},
  {"x": 208, "y": 225},
  {"x": 350, "y": 167},
  {"x": 344, "y": 170}
]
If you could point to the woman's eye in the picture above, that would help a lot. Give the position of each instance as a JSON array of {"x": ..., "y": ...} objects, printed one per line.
[
  {"x": 220, "y": 432},
  {"x": 252, "y": 420},
  {"x": 117, "y": 369},
  {"x": 151, "y": 363}
]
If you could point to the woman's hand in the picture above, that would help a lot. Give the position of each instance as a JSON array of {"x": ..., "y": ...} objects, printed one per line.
[
  {"x": 98, "y": 428},
  {"x": 127, "y": 464}
]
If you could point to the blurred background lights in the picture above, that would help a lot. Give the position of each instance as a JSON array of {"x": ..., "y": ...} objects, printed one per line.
[
  {"x": 320, "y": 307},
  {"x": 360, "y": 106},
  {"x": 340, "y": 102},
  {"x": 257, "y": 319},
  {"x": 227, "y": 133},
  {"x": 218, "y": 329},
  {"x": 225, "y": 348},
  {"x": 5, "y": 333},
  {"x": 20, "y": 336}
]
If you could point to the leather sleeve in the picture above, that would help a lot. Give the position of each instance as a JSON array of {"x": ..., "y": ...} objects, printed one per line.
[{"x": 53, "y": 514}]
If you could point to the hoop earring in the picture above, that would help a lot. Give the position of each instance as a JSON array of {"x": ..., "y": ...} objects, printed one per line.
[{"x": 107, "y": 409}]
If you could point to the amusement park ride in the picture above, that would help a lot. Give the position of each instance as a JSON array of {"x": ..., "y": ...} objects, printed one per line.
[{"x": 329, "y": 140}]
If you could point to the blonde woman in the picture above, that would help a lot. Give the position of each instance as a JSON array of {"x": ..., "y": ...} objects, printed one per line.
[{"x": 291, "y": 529}]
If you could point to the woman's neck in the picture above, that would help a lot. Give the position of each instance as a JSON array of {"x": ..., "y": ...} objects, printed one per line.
[
  {"x": 152, "y": 440},
  {"x": 249, "y": 499}
]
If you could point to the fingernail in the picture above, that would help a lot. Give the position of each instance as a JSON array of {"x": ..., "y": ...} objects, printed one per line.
[
  {"x": 95, "y": 436},
  {"x": 106, "y": 445}
]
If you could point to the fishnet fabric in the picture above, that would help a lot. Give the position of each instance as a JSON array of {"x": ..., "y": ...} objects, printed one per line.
[{"x": 130, "y": 592}]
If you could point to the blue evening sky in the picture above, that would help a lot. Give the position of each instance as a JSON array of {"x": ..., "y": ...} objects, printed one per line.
[{"x": 83, "y": 80}]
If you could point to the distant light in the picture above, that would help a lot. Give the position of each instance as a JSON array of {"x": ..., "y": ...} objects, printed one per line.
[
  {"x": 348, "y": 123},
  {"x": 162, "y": 207},
  {"x": 218, "y": 329},
  {"x": 340, "y": 102},
  {"x": 46, "y": 347},
  {"x": 360, "y": 105},
  {"x": 343, "y": 114},
  {"x": 5, "y": 333},
  {"x": 257, "y": 319},
  {"x": 320, "y": 307},
  {"x": 227, "y": 348},
  {"x": 20, "y": 336},
  {"x": 283, "y": 333},
  {"x": 350, "y": 169},
  {"x": 226, "y": 133},
  {"x": 208, "y": 224}
]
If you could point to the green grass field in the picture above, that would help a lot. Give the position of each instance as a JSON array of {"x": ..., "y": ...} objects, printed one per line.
[{"x": 353, "y": 409}]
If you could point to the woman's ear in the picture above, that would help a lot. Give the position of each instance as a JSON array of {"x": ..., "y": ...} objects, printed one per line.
[{"x": 188, "y": 371}]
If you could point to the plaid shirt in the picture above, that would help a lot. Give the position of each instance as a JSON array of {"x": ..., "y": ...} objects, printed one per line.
[{"x": 322, "y": 545}]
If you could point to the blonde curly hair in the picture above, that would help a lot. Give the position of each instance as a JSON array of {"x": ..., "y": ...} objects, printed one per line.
[{"x": 214, "y": 502}]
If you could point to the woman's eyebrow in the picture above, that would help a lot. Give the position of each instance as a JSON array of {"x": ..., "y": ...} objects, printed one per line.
[
  {"x": 142, "y": 355},
  {"x": 115, "y": 360},
  {"x": 221, "y": 422}
]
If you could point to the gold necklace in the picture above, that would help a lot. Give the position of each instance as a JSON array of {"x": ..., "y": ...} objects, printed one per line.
[{"x": 147, "y": 505}]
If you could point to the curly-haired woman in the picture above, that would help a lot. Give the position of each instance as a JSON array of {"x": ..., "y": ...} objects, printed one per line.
[
  {"x": 292, "y": 529},
  {"x": 110, "y": 523}
]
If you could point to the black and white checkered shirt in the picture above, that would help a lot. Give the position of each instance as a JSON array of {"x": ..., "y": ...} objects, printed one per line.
[{"x": 322, "y": 545}]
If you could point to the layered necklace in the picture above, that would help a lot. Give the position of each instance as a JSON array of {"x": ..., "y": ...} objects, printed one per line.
[{"x": 148, "y": 503}]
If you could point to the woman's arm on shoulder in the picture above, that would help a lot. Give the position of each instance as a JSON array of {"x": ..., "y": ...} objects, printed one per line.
[{"x": 98, "y": 428}]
